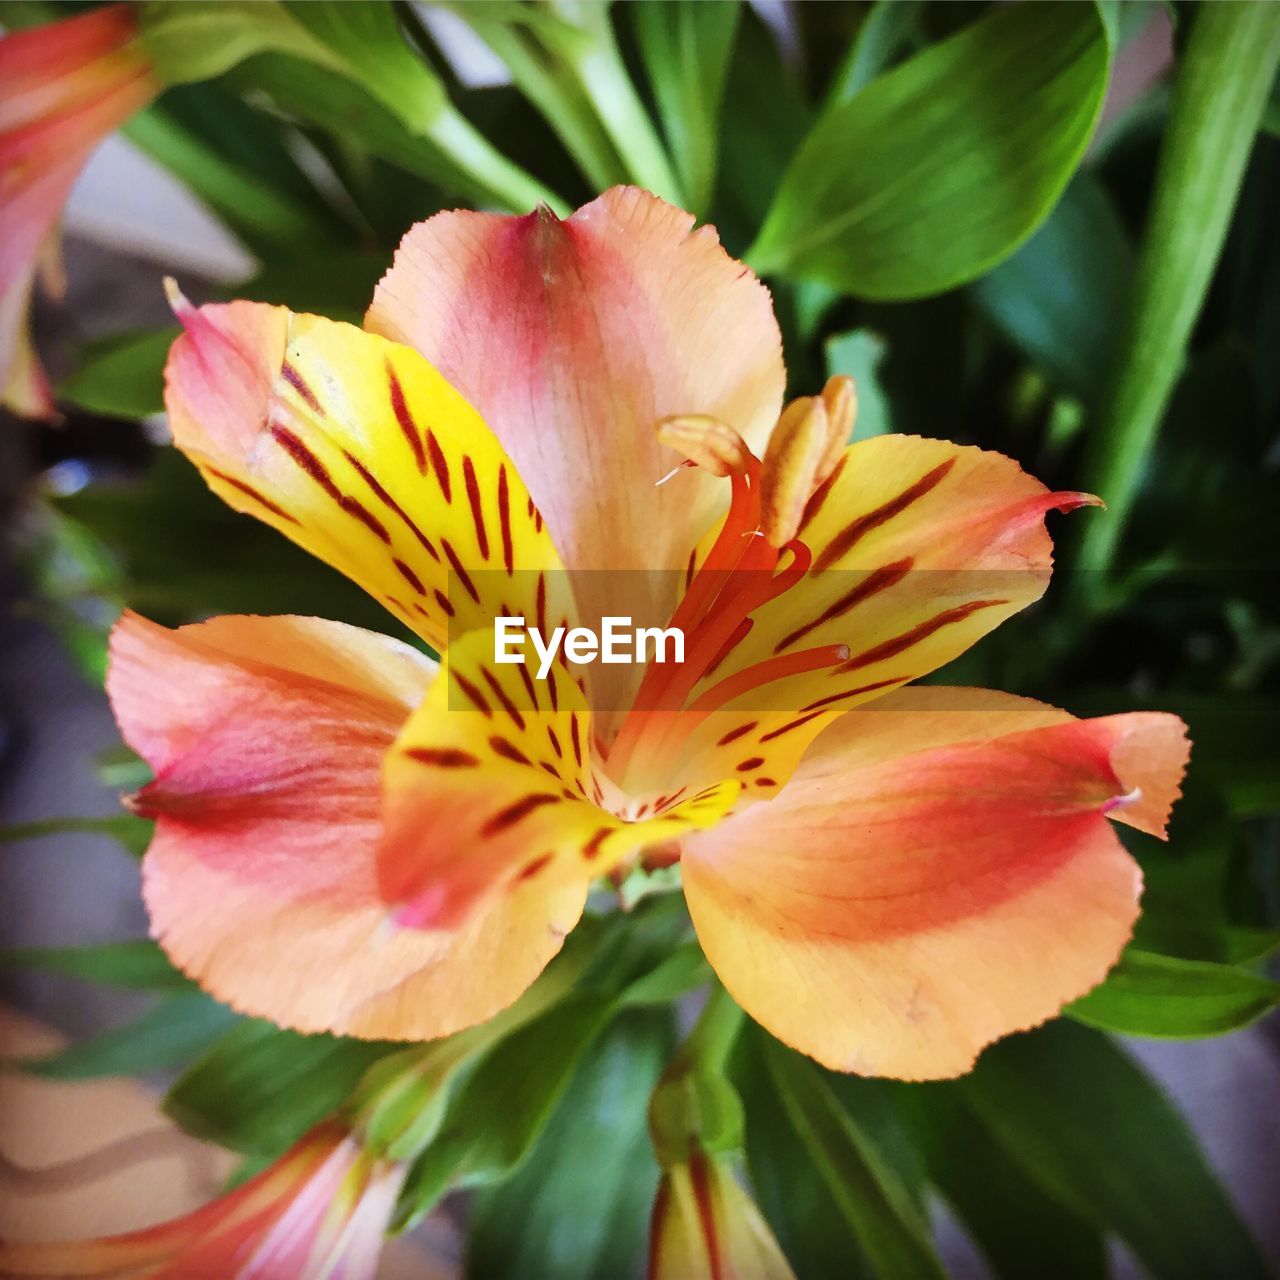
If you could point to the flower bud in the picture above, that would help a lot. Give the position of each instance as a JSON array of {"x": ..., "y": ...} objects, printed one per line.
[{"x": 706, "y": 1227}]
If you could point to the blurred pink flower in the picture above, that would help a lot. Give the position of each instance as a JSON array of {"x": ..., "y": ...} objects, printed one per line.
[
  {"x": 63, "y": 88},
  {"x": 321, "y": 1210}
]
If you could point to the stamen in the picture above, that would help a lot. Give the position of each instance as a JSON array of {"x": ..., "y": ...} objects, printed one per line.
[
  {"x": 706, "y": 442},
  {"x": 766, "y": 672}
]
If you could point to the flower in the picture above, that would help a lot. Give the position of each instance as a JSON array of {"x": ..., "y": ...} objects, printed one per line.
[
  {"x": 706, "y": 1227},
  {"x": 350, "y": 838},
  {"x": 63, "y": 88},
  {"x": 321, "y": 1210}
]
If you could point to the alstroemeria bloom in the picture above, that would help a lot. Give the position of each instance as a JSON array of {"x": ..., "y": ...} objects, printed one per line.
[
  {"x": 706, "y": 1227},
  {"x": 320, "y": 1212},
  {"x": 351, "y": 839},
  {"x": 63, "y": 88}
]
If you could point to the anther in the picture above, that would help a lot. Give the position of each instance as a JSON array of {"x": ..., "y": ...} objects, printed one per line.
[
  {"x": 706, "y": 442},
  {"x": 790, "y": 471},
  {"x": 840, "y": 399}
]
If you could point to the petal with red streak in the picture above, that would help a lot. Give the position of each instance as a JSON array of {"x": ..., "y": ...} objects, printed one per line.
[
  {"x": 358, "y": 450},
  {"x": 573, "y": 338},
  {"x": 920, "y": 547},
  {"x": 267, "y": 738},
  {"x": 940, "y": 872}
]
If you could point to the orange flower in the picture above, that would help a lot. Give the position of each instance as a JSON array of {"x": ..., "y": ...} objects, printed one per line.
[
  {"x": 886, "y": 878},
  {"x": 320, "y": 1211},
  {"x": 63, "y": 88},
  {"x": 706, "y": 1227}
]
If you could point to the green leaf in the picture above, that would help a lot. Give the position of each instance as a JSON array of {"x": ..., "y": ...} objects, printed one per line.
[
  {"x": 941, "y": 167},
  {"x": 132, "y": 832},
  {"x": 1219, "y": 95},
  {"x": 1154, "y": 995},
  {"x": 1060, "y": 296},
  {"x": 454, "y": 157},
  {"x": 366, "y": 39},
  {"x": 1011, "y": 1219},
  {"x": 793, "y": 1195},
  {"x": 237, "y": 161},
  {"x": 578, "y": 1207},
  {"x": 875, "y": 1204},
  {"x": 190, "y": 42},
  {"x": 122, "y": 376},
  {"x": 259, "y": 1089},
  {"x": 500, "y": 1109},
  {"x": 683, "y": 971},
  {"x": 1082, "y": 1120},
  {"x": 860, "y": 354},
  {"x": 886, "y": 28},
  {"x": 686, "y": 50},
  {"x": 138, "y": 963},
  {"x": 167, "y": 1035}
]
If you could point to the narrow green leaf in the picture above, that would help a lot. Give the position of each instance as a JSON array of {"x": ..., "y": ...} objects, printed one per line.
[
  {"x": 1061, "y": 295},
  {"x": 1011, "y": 1218},
  {"x": 860, "y": 354},
  {"x": 876, "y": 1205},
  {"x": 367, "y": 40},
  {"x": 138, "y": 963},
  {"x": 122, "y": 376},
  {"x": 684, "y": 970},
  {"x": 792, "y": 1193},
  {"x": 941, "y": 167},
  {"x": 452, "y": 155},
  {"x": 132, "y": 832},
  {"x": 259, "y": 1089},
  {"x": 530, "y": 41},
  {"x": 1154, "y": 995},
  {"x": 1083, "y": 1121},
  {"x": 686, "y": 50},
  {"x": 578, "y": 1207},
  {"x": 169, "y": 1034},
  {"x": 500, "y": 1109},
  {"x": 886, "y": 28},
  {"x": 1219, "y": 95},
  {"x": 237, "y": 161},
  {"x": 189, "y": 42}
]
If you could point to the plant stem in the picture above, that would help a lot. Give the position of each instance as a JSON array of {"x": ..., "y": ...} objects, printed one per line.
[
  {"x": 1221, "y": 90},
  {"x": 511, "y": 187},
  {"x": 715, "y": 1033}
]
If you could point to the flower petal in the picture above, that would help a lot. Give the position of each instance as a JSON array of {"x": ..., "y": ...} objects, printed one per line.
[
  {"x": 573, "y": 339},
  {"x": 492, "y": 787},
  {"x": 359, "y": 451},
  {"x": 267, "y": 737},
  {"x": 920, "y": 547},
  {"x": 940, "y": 872}
]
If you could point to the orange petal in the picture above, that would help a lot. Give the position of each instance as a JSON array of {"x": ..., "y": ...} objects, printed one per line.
[
  {"x": 939, "y": 872},
  {"x": 573, "y": 339},
  {"x": 920, "y": 547},
  {"x": 357, "y": 449},
  {"x": 267, "y": 737}
]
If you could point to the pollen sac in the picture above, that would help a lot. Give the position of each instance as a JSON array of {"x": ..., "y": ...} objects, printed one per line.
[
  {"x": 840, "y": 399},
  {"x": 796, "y": 451},
  {"x": 705, "y": 442}
]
